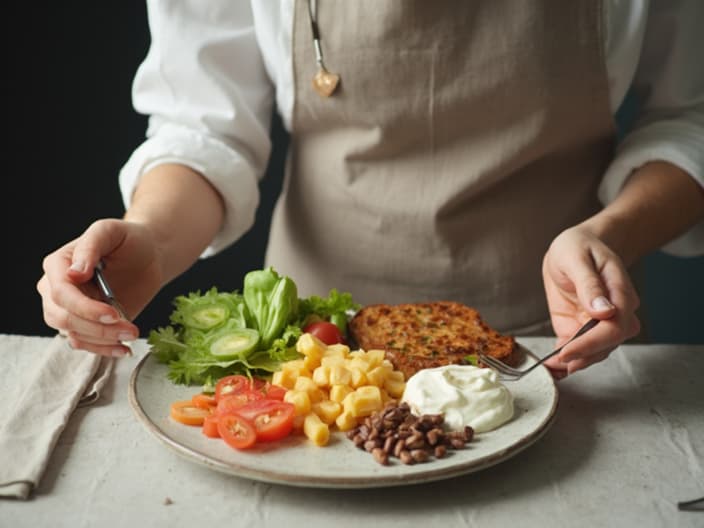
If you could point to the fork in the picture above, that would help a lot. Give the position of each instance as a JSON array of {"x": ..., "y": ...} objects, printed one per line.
[{"x": 508, "y": 373}]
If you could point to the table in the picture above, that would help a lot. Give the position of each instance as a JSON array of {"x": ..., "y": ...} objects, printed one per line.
[{"x": 627, "y": 444}]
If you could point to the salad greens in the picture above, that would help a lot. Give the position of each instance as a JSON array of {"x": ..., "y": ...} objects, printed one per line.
[{"x": 216, "y": 333}]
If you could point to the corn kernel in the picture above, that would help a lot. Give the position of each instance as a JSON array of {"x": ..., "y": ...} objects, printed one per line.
[
  {"x": 358, "y": 363},
  {"x": 316, "y": 430},
  {"x": 394, "y": 387},
  {"x": 375, "y": 357},
  {"x": 377, "y": 376},
  {"x": 321, "y": 376},
  {"x": 295, "y": 365},
  {"x": 327, "y": 410},
  {"x": 366, "y": 400},
  {"x": 339, "y": 375},
  {"x": 345, "y": 421},
  {"x": 396, "y": 375},
  {"x": 338, "y": 392},
  {"x": 337, "y": 349},
  {"x": 357, "y": 377},
  {"x": 309, "y": 345},
  {"x": 307, "y": 385},
  {"x": 311, "y": 363},
  {"x": 300, "y": 400},
  {"x": 331, "y": 361},
  {"x": 349, "y": 402}
]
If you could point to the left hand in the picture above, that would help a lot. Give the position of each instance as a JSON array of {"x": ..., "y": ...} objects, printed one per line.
[{"x": 585, "y": 279}]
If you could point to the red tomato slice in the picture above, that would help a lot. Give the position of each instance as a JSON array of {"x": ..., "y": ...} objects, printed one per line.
[
  {"x": 231, "y": 402},
  {"x": 272, "y": 419},
  {"x": 231, "y": 385},
  {"x": 326, "y": 331},
  {"x": 273, "y": 392},
  {"x": 210, "y": 426},
  {"x": 185, "y": 412},
  {"x": 236, "y": 431},
  {"x": 204, "y": 401}
]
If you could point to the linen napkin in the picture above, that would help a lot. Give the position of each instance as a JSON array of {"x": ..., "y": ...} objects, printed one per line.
[{"x": 43, "y": 380}]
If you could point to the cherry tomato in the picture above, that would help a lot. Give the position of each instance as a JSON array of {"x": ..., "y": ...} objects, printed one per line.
[
  {"x": 185, "y": 412},
  {"x": 236, "y": 431},
  {"x": 230, "y": 384},
  {"x": 273, "y": 392},
  {"x": 210, "y": 426},
  {"x": 231, "y": 402},
  {"x": 272, "y": 419},
  {"x": 327, "y": 332},
  {"x": 204, "y": 401}
]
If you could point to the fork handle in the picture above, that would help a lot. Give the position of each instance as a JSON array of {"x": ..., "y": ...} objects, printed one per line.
[{"x": 585, "y": 328}]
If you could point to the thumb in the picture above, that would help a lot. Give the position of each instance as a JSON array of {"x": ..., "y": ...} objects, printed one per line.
[{"x": 90, "y": 247}]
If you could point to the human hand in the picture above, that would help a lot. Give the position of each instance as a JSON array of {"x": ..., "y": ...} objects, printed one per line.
[
  {"x": 71, "y": 301},
  {"x": 585, "y": 279}
]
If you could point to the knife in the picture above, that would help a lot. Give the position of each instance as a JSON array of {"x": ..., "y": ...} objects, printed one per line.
[{"x": 105, "y": 289}]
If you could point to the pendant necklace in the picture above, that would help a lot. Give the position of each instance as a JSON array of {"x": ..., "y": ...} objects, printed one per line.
[{"x": 324, "y": 82}]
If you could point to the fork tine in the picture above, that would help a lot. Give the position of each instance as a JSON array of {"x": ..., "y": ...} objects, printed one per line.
[
  {"x": 500, "y": 367},
  {"x": 510, "y": 373}
]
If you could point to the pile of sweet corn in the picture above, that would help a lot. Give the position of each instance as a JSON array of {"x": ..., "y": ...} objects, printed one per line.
[{"x": 332, "y": 385}]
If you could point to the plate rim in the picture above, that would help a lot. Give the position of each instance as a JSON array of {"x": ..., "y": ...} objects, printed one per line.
[{"x": 332, "y": 481}]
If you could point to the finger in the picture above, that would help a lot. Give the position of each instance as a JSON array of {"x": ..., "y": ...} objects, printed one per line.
[
  {"x": 69, "y": 295},
  {"x": 91, "y": 331},
  {"x": 108, "y": 350},
  {"x": 557, "y": 373},
  {"x": 606, "y": 335},
  {"x": 582, "y": 363}
]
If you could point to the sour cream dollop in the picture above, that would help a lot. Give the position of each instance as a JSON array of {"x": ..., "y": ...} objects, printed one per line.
[{"x": 464, "y": 394}]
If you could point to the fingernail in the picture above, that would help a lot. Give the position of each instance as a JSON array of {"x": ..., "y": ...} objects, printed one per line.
[
  {"x": 601, "y": 304},
  {"x": 108, "y": 319},
  {"x": 126, "y": 336},
  {"x": 78, "y": 265}
]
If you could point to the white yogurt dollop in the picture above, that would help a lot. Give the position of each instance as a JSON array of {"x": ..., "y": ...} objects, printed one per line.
[{"x": 464, "y": 394}]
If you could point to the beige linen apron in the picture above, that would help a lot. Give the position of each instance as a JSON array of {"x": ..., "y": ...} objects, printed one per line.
[{"x": 464, "y": 136}]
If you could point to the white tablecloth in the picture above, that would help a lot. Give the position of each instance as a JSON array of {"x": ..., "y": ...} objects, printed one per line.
[{"x": 626, "y": 446}]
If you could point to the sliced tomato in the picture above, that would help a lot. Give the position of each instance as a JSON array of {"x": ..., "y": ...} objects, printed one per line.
[
  {"x": 185, "y": 412},
  {"x": 231, "y": 385},
  {"x": 273, "y": 392},
  {"x": 272, "y": 419},
  {"x": 230, "y": 403},
  {"x": 257, "y": 383},
  {"x": 210, "y": 426},
  {"x": 204, "y": 401},
  {"x": 326, "y": 331},
  {"x": 236, "y": 431}
]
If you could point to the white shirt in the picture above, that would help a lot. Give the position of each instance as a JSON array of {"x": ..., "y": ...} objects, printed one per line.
[{"x": 215, "y": 69}]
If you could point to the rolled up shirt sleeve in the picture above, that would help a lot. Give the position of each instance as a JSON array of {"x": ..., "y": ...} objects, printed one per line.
[
  {"x": 668, "y": 91},
  {"x": 209, "y": 100}
]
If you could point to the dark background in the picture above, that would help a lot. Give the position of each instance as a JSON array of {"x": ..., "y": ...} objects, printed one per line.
[{"x": 70, "y": 127}]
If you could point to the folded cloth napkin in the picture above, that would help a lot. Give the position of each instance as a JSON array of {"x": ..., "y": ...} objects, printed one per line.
[{"x": 44, "y": 380}]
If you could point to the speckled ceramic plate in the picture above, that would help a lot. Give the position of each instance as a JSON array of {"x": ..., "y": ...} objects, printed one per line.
[{"x": 296, "y": 462}]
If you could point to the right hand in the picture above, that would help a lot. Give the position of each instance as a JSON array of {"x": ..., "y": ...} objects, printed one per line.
[{"x": 72, "y": 304}]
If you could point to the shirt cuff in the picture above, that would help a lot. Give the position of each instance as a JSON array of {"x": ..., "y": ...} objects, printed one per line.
[
  {"x": 675, "y": 142},
  {"x": 227, "y": 170}
]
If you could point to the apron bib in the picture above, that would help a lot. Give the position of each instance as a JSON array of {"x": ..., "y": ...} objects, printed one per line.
[{"x": 463, "y": 137}]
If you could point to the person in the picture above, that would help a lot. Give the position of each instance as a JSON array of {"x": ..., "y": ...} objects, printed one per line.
[{"x": 445, "y": 150}]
